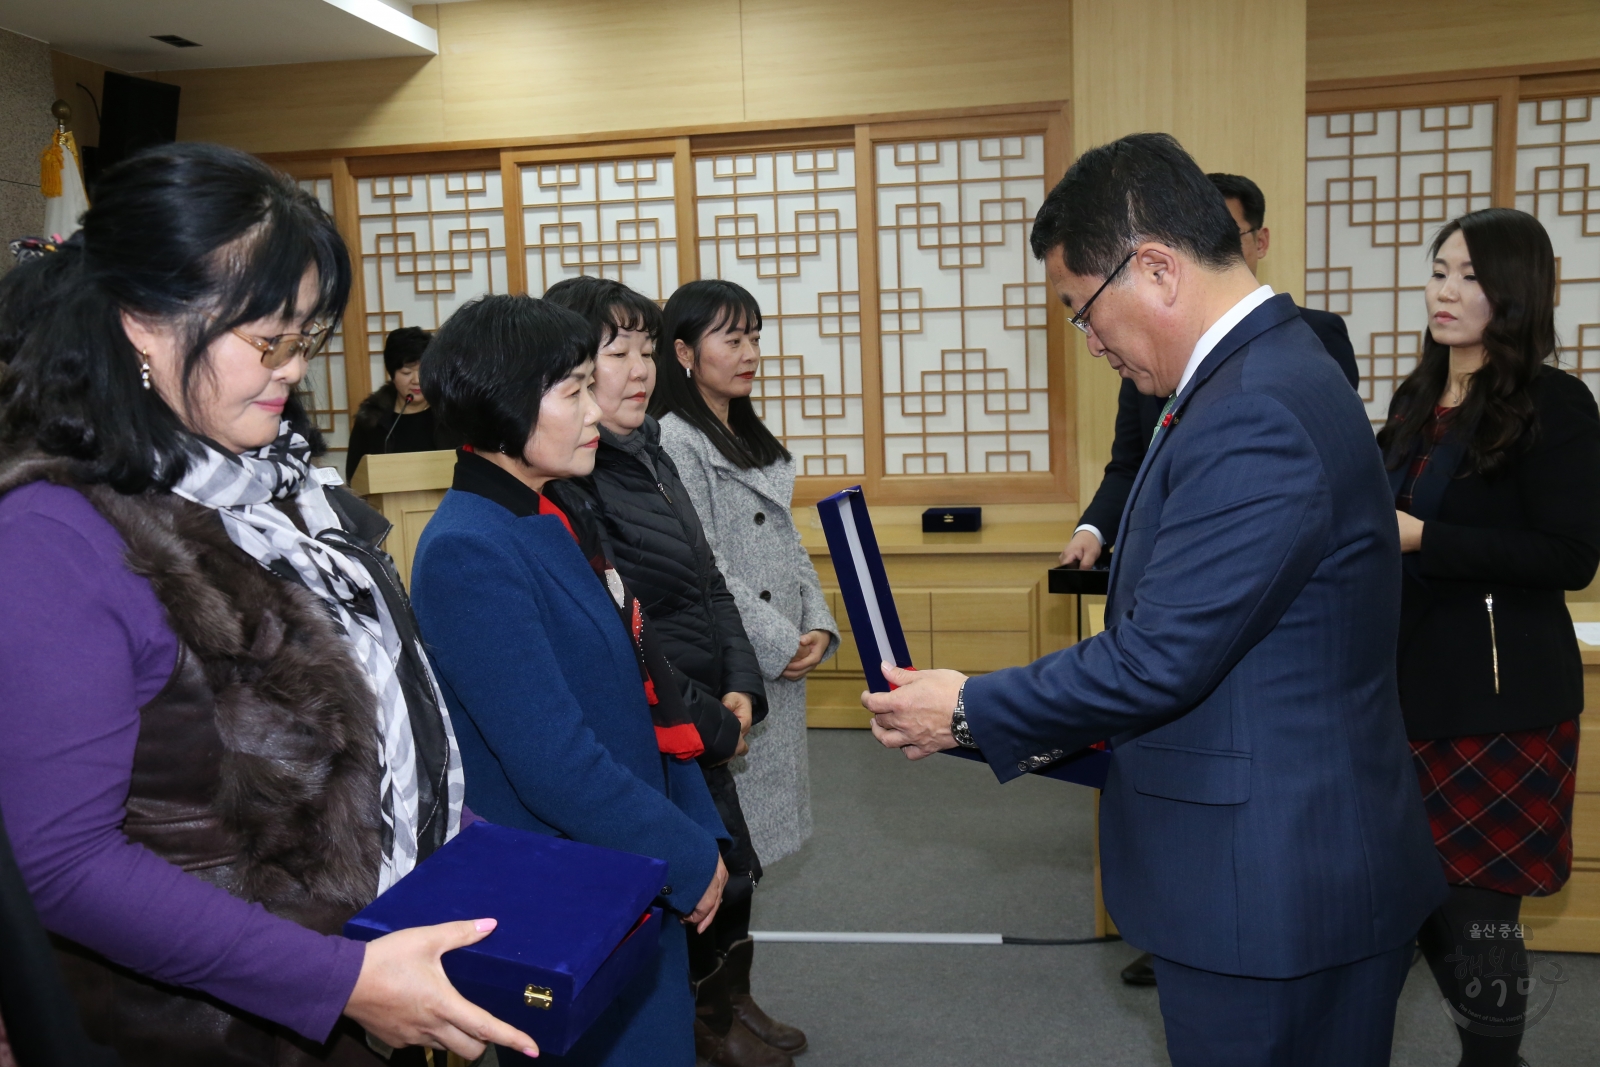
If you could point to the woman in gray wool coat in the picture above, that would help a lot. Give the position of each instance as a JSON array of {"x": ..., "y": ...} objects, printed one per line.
[{"x": 741, "y": 480}]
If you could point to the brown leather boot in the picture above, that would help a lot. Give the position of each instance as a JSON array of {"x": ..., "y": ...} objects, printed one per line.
[
  {"x": 779, "y": 1035},
  {"x": 720, "y": 1039},
  {"x": 738, "y": 1048}
]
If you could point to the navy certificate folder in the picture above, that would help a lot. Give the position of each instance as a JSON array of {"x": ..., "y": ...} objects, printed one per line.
[
  {"x": 575, "y": 924},
  {"x": 876, "y": 625}
]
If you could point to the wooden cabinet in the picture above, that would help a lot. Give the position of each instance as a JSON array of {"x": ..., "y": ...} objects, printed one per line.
[{"x": 1569, "y": 921}]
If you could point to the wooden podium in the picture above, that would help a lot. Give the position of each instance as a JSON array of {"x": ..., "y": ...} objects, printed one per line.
[{"x": 407, "y": 488}]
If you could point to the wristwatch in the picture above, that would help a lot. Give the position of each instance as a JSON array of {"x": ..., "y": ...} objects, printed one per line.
[{"x": 958, "y": 720}]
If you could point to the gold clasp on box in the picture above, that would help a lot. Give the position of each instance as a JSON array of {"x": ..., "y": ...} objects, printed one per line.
[{"x": 538, "y": 997}]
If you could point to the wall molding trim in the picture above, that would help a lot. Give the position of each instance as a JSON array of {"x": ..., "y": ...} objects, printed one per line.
[
  {"x": 1389, "y": 81},
  {"x": 716, "y": 136}
]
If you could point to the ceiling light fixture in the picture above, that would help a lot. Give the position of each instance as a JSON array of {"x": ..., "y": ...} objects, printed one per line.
[{"x": 174, "y": 40}]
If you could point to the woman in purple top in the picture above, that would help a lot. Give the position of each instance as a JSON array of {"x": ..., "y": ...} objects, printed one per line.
[{"x": 219, "y": 737}]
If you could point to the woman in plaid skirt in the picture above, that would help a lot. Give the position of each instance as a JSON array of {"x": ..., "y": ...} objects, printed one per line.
[{"x": 1494, "y": 456}]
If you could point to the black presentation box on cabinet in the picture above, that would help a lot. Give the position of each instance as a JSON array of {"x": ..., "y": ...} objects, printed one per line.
[{"x": 952, "y": 520}]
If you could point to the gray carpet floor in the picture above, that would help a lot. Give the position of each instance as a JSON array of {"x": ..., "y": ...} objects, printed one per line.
[{"x": 938, "y": 846}]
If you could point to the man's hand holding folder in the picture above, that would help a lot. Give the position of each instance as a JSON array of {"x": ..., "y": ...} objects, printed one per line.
[{"x": 915, "y": 716}]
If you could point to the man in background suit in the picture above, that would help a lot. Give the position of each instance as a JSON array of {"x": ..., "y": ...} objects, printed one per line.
[
  {"x": 1261, "y": 830},
  {"x": 1136, "y": 418}
]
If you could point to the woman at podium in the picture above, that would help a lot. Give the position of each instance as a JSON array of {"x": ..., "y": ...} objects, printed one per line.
[
  {"x": 570, "y": 720},
  {"x": 396, "y": 417},
  {"x": 219, "y": 739}
]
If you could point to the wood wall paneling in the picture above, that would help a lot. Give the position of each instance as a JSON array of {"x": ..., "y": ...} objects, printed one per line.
[
  {"x": 818, "y": 57},
  {"x": 510, "y": 68},
  {"x": 1567, "y": 83},
  {"x": 513, "y": 72},
  {"x": 871, "y": 319},
  {"x": 1212, "y": 75},
  {"x": 688, "y": 238},
  {"x": 357, "y": 357},
  {"x": 797, "y": 60},
  {"x": 1065, "y": 448},
  {"x": 1383, "y": 38},
  {"x": 313, "y": 106}
]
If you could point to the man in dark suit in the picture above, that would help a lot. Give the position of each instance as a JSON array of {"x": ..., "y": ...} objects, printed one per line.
[
  {"x": 1136, "y": 417},
  {"x": 1261, "y": 829}
]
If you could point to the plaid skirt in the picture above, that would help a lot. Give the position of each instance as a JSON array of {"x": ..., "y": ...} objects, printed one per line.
[{"x": 1501, "y": 807}]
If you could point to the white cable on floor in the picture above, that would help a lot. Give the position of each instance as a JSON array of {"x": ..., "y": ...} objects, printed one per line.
[{"x": 847, "y": 938}]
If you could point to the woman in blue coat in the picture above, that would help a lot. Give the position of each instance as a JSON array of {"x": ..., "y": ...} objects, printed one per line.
[{"x": 543, "y": 655}]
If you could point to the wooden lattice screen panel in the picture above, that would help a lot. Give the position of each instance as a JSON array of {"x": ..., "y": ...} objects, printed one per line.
[
  {"x": 429, "y": 243},
  {"x": 324, "y": 381},
  {"x": 1558, "y": 180},
  {"x": 783, "y": 225},
  {"x": 603, "y": 218},
  {"x": 962, "y": 305},
  {"x": 1379, "y": 184}
]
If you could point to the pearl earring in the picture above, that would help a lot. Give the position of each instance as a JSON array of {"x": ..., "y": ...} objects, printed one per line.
[{"x": 144, "y": 369}]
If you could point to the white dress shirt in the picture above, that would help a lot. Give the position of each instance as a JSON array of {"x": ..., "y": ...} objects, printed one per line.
[{"x": 1202, "y": 348}]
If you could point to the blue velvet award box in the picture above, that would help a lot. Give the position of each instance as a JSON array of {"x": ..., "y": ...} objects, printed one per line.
[
  {"x": 876, "y": 625},
  {"x": 575, "y": 924}
]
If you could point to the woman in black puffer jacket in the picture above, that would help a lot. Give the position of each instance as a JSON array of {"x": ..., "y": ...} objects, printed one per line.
[{"x": 656, "y": 542}]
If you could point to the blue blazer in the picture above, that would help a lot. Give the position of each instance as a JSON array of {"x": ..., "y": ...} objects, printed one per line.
[
  {"x": 544, "y": 693},
  {"x": 1262, "y": 816}
]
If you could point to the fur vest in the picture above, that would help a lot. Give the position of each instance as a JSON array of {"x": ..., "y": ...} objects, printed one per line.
[{"x": 256, "y": 769}]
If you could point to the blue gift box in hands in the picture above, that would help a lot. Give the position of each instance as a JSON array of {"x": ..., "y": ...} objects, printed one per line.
[{"x": 575, "y": 924}]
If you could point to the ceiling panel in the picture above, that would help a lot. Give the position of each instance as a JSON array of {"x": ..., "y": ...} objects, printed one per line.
[{"x": 230, "y": 33}]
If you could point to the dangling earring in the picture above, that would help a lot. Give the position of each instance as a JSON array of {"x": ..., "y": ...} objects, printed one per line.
[
  {"x": 144, "y": 369},
  {"x": 687, "y": 373}
]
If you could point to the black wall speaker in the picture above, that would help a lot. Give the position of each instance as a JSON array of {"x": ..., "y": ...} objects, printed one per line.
[{"x": 134, "y": 113}]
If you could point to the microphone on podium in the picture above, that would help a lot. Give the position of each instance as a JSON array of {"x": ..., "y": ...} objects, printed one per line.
[{"x": 410, "y": 399}]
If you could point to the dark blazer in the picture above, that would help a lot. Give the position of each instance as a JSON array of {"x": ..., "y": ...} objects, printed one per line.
[
  {"x": 1335, "y": 337},
  {"x": 544, "y": 691},
  {"x": 1261, "y": 816},
  {"x": 1521, "y": 537},
  {"x": 1136, "y": 421}
]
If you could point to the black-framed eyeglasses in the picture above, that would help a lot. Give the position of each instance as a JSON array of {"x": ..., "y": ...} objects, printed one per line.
[
  {"x": 1246, "y": 233},
  {"x": 276, "y": 351},
  {"x": 1081, "y": 319}
]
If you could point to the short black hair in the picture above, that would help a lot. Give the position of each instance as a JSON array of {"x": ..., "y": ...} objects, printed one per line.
[
  {"x": 491, "y": 363},
  {"x": 403, "y": 346},
  {"x": 1143, "y": 187},
  {"x": 610, "y": 305},
  {"x": 1248, "y": 193}
]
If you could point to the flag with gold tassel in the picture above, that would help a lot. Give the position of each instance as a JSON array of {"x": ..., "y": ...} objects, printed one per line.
[{"x": 61, "y": 181}]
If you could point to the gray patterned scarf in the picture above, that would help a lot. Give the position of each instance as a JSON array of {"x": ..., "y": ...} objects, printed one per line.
[{"x": 241, "y": 490}]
